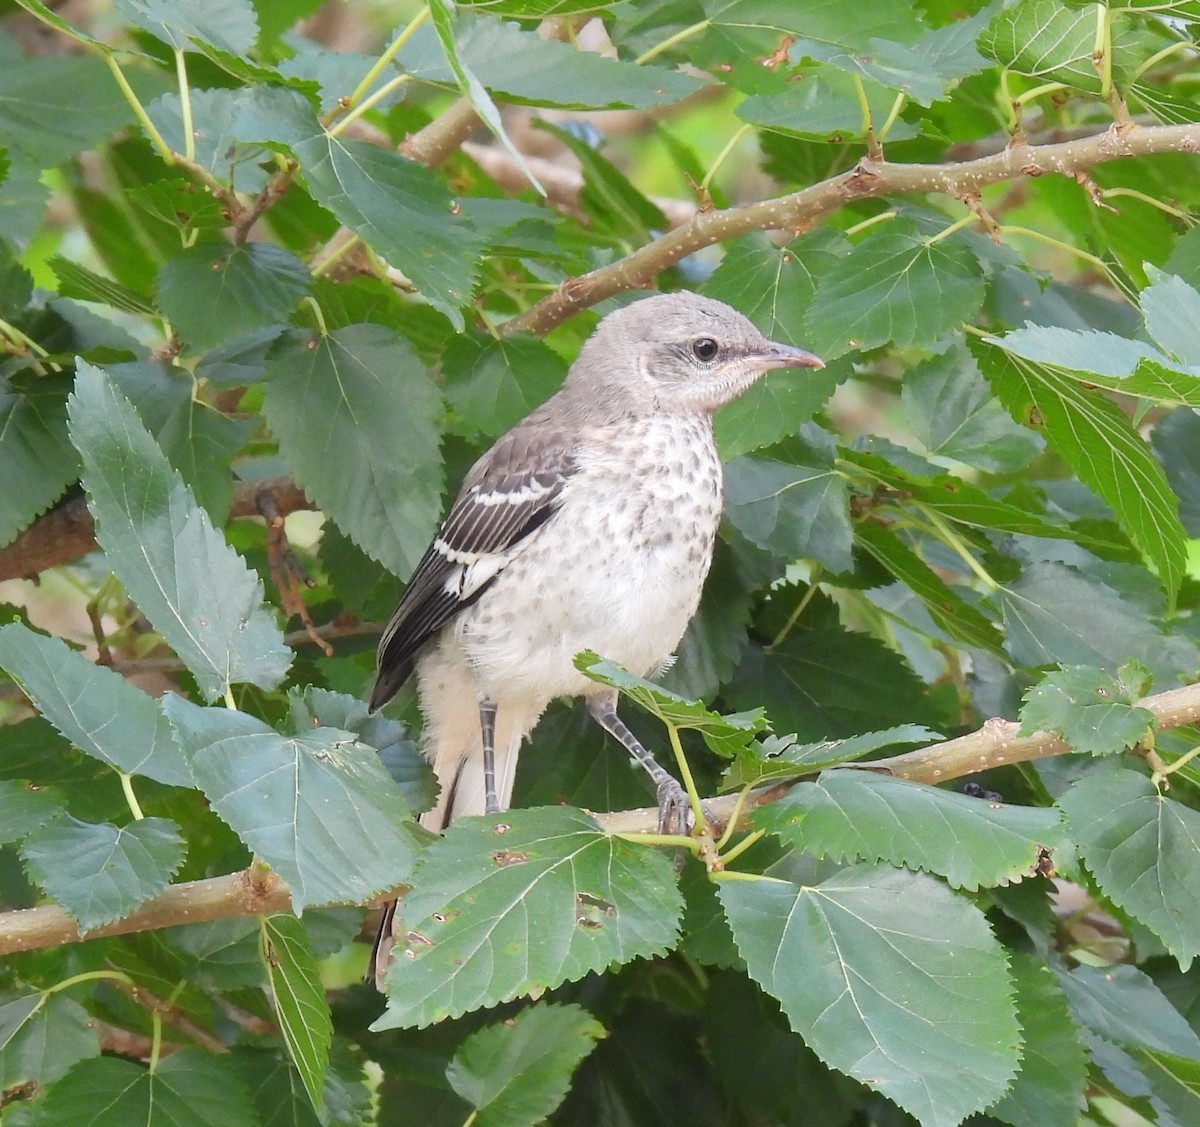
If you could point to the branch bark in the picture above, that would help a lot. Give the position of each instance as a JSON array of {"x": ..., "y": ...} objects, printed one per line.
[
  {"x": 252, "y": 891},
  {"x": 803, "y": 210}
]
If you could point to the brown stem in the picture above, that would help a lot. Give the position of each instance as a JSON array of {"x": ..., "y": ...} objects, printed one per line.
[
  {"x": 802, "y": 210},
  {"x": 239, "y": 894}
]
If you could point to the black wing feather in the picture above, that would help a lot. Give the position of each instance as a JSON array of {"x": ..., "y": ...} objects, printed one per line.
[{"x": 509, "y": 493}]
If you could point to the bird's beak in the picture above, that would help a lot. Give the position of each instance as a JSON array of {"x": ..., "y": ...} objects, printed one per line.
[{"x": 785, "y": 356}]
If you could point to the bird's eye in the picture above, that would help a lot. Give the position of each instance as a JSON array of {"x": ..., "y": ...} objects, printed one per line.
[{"x": 705, "y": 348}]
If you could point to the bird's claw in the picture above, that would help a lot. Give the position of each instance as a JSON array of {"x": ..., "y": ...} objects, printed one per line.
[{"x": 675, "y": 815}]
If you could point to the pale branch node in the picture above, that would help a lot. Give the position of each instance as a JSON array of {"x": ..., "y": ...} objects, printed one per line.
[
  {"x": 257, "y": 891},
  {"x": 67, "y": 531},
  {"x": 801, "y": 211}
]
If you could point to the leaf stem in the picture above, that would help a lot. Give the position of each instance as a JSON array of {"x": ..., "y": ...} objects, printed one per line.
[
  {"x": 734, "y": 817},
  {"x": 1046, "y": 88},
  {"x": 738, "y": 874},
  {"x": 134, "y": 806},
  {"x": 368, "y": 103},
  {"x": 90, "y": 976},
  {"x": 724, "y": 155},
  {"x": 1133, "y": 193},
  {"x": 396, "y": 46},
  {"x": 1158, "y": 56},
  {"x": 1091, "y": 259},
  {"x": 880, "y": 218},
  {"x": 953, "y": 541},
  {"x": 685, "y": 771},
  {"x": 743, "y": 845},
  {"x": 155, "y": 1038},
  {"x": 670, "y": 42},
  {"x": 156, "y": 138},
  {"x": 958, "y": 225},
  {"x": 1102, "y": 49},
  {"x": 689, "y": 843},
  {"x": 229, "y": 701},
  {"x": 813, "y": 584},
  {"x": 185, "y": 105},
  {"x": 893, "y": 114}
]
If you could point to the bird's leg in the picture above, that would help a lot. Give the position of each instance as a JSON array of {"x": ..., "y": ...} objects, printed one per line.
[
  {"x": 674, "y": 806},
  {"x": 487, "y": 725}
]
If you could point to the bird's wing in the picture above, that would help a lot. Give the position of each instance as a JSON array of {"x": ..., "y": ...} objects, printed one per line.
[{"x": 509, "y": 493}]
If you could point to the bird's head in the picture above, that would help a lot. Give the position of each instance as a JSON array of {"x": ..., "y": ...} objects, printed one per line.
[{"x": 678, "y": 352}]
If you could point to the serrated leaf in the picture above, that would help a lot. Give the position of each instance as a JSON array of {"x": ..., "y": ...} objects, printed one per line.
[
  {"x": 41, "y": 1037},
  {"x": 948, "y": 609},
  {"x": 888, "y": 977},
  {"x": 190, "y": 1088},
  {"x": 896, "y": 286},
  {"x": 723, "y": 734},
  {"x": 1172, "y": 308},
  {"x": 37, "y": 462},
  {"x": 861, "y": 815},
  {"x": 1100, "y": 444},
  {"x": 530, "y": 70},
  {"x": 1176, "y": 441},
  {"x": 1054, "y": 615},
  {"x": 1122, "y": 1003},
  {"x": 24, "y": 807},
  {"x": 230, "y": 25},
  {"x": 518, "y": 903},
  {"x": 97, "y": 710},
  {"x": 952, "y": 412},
  {"x": 1141, "y": 847},
  {"x": 214, "y": 291},
  {"x": 299, "y": 998},
  {"x": 318, "y": 808},
  {"x": 1176, "y": 1081},
  {"x": 782, "y": 757},
  {"x": 399, "y": 209},
  {"x": 195, "y": 589},
  {"x": 100, "y": 873},
  {"x": 77, "y": 281},
  {"x": 493, "y": 384},
  {"x": 1091, "y": 709},
  {"x": 517, "y": 1072},
  {"x": 792, "y": 509},
  {"x": 1048, "y": 1090},
  {"x": 356, "y": 417}
]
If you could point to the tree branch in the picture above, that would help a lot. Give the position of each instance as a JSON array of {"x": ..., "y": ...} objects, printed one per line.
[
  {"x": 252, "y": 892},
  {"x": 803, "y": 210},
  {"x": 67, "y": 531}
]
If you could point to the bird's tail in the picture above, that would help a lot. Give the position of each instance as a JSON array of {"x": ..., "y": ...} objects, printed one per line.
[{"x": 455, "y": 750}]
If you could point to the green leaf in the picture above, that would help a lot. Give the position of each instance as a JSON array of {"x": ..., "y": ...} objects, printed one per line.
[
  {"x": 517, "y": 1071},
  {"x": 781, "y": 757},
  {"x": 518, "y": 903},
  {"x": 1176, "y": 1081},
  {"x": 1176, "y": 441},
  {"x": 1172, "y": 309},
  {"x": 214, "y": 292},
  {"x": 190, "y": 1088},
  {"x": 320, "y": 809},
  {"x": 1054, "y": 615},
  {"x": 77, "y": 281},
  {"x": 442, "y": 17},
  {"x": 724, "y": 735},
  {"x": 101, "y": 873},
  {"x": 493, "y": 384},
  {"x": 792, "y": 509},
  {"x": 41, "y": 1037},
  {"x": 1121, "y": 1003},
  {"x": 948, "y": 609},
  {"x": 1100, "y": 444},
  {"x": 356, "y": 417},
  {"x": 230, "y": 25},
  {"x": 401, "y": 210},
  {"x": 193, "y": 587},
  {"x": 1048, "y": 1090},
  {"x": 860, "y": 815},
  {"x": 24, "y": 807},
  {"x": 1091, "y": 709},
  {"x": 299, "y": 999},
  {"x": 888, "y": 977},
  {"x": 37, "y": 462},
  {"x": 896, "y": 286},
  {"x": 530, "y": 70},
  {"x": 1047, "y": 40},
  {"x": 1141, "y": 847},
  {"x": 952, "y": 412},
  {"x": 97, "y": 710}
]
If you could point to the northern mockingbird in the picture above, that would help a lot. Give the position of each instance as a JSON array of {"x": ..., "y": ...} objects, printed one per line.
[{"x": 588, "y": 526}]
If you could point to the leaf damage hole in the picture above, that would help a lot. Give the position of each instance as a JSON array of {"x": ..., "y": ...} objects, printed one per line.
[{"x": 509, "y": 857}]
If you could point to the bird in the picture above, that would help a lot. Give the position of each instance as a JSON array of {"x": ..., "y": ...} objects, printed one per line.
[{"x": 588, "y": 526}]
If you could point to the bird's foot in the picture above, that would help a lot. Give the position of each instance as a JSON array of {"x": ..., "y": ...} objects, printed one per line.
[{"x": 675, "y": 815}]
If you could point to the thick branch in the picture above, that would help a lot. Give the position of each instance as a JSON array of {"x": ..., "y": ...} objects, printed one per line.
[
  {"x": 803, "y": 210},
  {"x": 66, "y": 532},
  {"x": 242, "y": 894}
]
